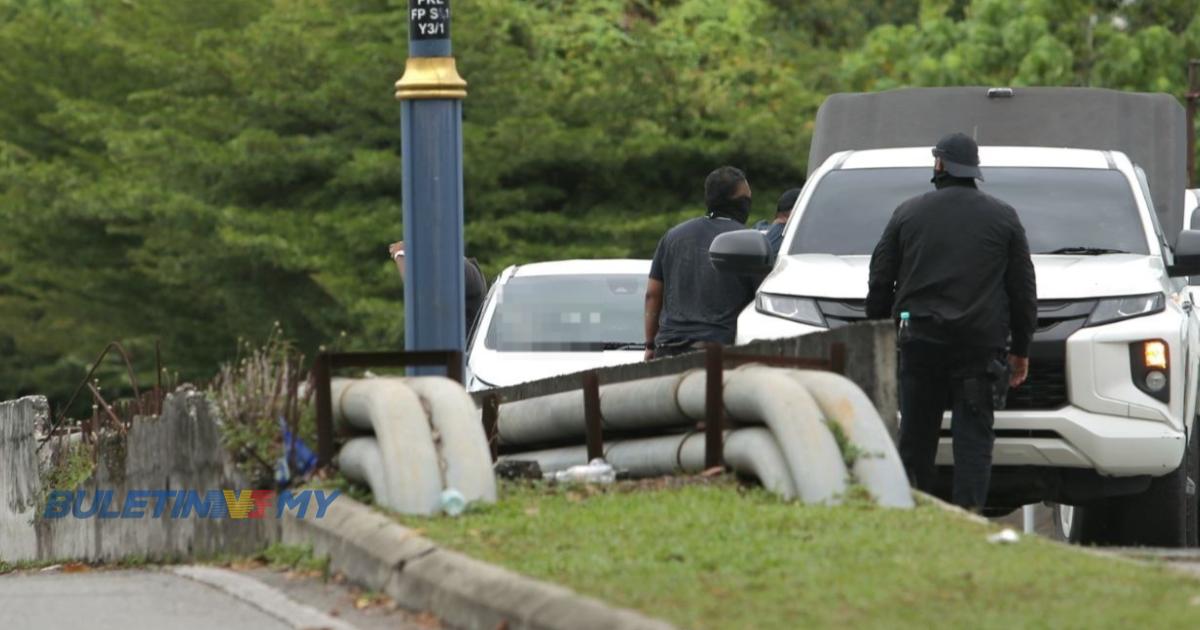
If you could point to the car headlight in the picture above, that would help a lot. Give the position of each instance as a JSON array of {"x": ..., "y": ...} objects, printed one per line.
[
  {"x": 1111, "y": 310},
  {"x": 797, "y": 309}
]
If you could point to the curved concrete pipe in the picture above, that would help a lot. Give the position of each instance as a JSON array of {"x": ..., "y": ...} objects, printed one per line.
[
  {"x": 457, "y": 436},
  {"x": 411, "y": 471},
  {"x": 878, "y": 466},
  {"x": 768, "y": 396},
  {"x": 752, "y": 451},
  {"x": 785, "y": 400},
  {"x": 360, "y": 460}
]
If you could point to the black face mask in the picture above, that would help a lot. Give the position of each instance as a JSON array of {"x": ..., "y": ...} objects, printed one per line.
[
  {"x": 737, "y": 209},
  {"x": 940, "y": 179}
]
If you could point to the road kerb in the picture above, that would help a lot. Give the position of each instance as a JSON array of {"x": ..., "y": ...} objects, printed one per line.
[{"x": 375, "y": 551}]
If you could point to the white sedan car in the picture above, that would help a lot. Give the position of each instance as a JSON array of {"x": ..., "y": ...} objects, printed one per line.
[{"x": 551, "y": 318}]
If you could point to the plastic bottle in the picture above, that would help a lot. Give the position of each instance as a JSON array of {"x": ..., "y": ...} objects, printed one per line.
[
  {"x": 905, "y": 332},
  {"x": 595, "y": 471},
  {"x": 453, "y": 502}
]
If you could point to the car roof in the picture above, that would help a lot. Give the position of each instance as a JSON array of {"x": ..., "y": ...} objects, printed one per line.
[
  {"x": 584, "y": 267},
  {"x": 989, "y": 156}
]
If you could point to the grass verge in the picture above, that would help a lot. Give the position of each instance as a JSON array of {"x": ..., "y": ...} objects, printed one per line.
[{"x": 720, "y": 556}]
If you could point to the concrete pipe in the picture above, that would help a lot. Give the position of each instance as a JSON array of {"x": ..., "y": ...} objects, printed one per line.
[
  {"x": 411, "y": 470},
  {"x": 878, "y": 467},
  {"x": 541, "y": 419},
  {"x": 652, "y": 402},
  {"x": 795, "y": 405},
  {"x": 768, "y": 396},
  {"x": 361, "y": 461},
  {"x": 457, "y": 435},
  {"x": 646, "y": 403},
  {"x": 754, "y": 451},
  {"x": 751, "y": 451}
]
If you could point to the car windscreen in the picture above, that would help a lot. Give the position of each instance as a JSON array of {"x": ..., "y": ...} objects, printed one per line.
[
  {"x": 568, "y": 313},
  {"x": 1059, "y": 207}
]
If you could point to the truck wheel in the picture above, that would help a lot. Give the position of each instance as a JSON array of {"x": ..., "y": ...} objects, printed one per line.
[
  {"x": 1083, "y": 524},
  {"x": 1165, "y": 514},
  {"x": 1064, "y": 522}
]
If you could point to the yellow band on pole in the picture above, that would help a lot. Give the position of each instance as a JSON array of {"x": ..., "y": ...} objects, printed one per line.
[{"x": 429, "y": 78}]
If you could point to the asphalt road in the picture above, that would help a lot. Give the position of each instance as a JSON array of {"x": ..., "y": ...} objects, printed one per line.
[
  {"x": 190, "y": 598},
  {"x": 120, "y": 600}
]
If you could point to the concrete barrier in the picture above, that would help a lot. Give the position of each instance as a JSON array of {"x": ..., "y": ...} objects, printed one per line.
[{"x": 179, "y": 450}]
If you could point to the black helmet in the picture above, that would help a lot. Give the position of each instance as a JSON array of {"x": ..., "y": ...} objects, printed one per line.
[{"x": 959, "y": 154}]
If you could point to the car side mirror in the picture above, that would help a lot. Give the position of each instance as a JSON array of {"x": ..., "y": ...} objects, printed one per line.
[
  {"x": 743, "y": 252},
  {"x": 1187, "y": 255}
]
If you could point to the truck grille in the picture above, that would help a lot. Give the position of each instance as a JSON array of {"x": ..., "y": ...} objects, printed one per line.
[{"x": 1046, "y": 387}]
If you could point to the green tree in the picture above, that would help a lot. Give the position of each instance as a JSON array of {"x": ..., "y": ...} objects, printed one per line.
[{"x": 196, "y": 171}]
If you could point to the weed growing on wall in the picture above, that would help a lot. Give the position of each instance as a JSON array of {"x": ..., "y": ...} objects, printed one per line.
[{"x": 71, "y": 464}]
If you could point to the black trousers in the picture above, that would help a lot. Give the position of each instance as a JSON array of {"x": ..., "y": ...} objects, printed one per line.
[{"x": 934, "y": 377}]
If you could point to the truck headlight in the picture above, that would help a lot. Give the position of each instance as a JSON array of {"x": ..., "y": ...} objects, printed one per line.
[
  {"x": 797, "y": 309},
  {"x": 1111, "y": 310}
]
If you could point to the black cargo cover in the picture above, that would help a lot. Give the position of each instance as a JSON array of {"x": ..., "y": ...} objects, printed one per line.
[{"x": 1149, "y": 128}]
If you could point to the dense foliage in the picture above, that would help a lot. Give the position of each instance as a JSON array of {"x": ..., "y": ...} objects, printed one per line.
[{"x": 195, "y": 171}]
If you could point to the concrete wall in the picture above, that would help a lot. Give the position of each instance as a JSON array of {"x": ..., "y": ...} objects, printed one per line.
[
  {"x": 19, "y": 483},
  {"x": 178, "y": 450},
  {"x": 870, "y": 363}
]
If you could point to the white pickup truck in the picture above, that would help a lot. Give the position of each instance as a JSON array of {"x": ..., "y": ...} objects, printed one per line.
[{"x": 1104, "y": 427}]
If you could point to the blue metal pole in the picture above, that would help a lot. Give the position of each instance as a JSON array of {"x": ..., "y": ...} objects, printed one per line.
[{"x": 431, "y": 93}]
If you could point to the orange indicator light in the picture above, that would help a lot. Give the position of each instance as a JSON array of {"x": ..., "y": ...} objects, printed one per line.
[{"x": 1155, "y": 354}]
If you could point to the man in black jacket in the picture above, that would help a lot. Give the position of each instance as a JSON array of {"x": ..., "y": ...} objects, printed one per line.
[{"x": 956, "y": 260}]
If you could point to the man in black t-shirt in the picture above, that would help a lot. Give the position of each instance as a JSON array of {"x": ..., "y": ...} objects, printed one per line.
[{"x": 689, "y": 302}]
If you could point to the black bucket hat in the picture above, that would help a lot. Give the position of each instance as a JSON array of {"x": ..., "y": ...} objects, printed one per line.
[{"x": 959, "y": 154}]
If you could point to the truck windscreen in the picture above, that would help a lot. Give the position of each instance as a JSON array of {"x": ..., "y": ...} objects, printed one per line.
[{"x": 1059, "y": 207}]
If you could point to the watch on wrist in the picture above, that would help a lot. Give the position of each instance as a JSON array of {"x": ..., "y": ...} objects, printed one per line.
[
  {"x": 649, "y": 345},
  {"x": 398, "y": 254}
]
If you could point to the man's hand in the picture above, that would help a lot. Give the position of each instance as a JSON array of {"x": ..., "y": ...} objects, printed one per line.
[
  {"x": 649, "y": 354},
  {"x": 398, "y": 248},
  {"x": 1019, "y": 368}
]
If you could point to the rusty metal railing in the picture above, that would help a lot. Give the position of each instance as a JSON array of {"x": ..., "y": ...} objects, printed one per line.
[
  {"x": 139, "y": 405},
  {"x": 716, "y": 360}
]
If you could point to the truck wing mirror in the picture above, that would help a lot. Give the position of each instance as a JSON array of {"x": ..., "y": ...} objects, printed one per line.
[
  {"x": 1187, "y": 255},
  {"x": 744, "y": 252}
]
